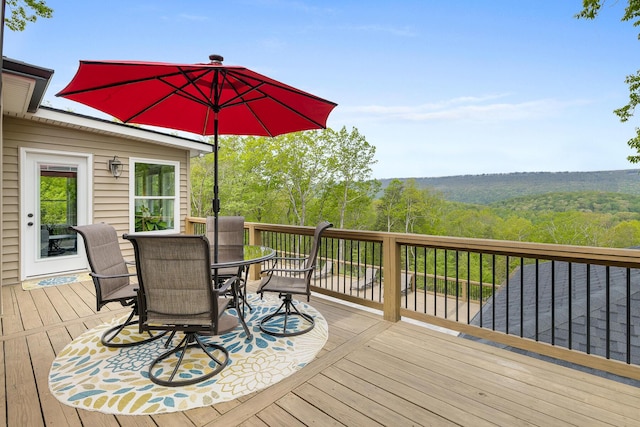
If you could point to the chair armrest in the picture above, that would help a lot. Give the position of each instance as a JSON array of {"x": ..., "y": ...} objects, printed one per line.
[
  {"x": 111, "y": 276},
  {"x": 289, "y": 258},
  {"x": 277, "y": 259},
  {"x": 226, "y": 285},
  {"x": 287, "y": 270}
]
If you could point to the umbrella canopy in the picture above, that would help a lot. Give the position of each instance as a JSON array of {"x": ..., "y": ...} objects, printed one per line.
[
  {"x": 206, "y": 99},
  {"x": 187, "y": 97}
]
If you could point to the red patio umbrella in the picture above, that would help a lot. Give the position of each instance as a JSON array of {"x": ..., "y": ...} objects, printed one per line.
[{"x": 206, "y": 99}]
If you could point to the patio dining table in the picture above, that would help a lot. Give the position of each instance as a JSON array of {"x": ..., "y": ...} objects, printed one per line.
[{"x": 241, "y": 257}]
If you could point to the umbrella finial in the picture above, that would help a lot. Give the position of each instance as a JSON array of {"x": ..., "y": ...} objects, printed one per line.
[{"x": 216, "y": 59}]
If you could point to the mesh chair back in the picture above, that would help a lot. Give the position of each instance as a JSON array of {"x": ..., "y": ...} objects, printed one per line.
[
  {"x": 105, "y": 258},
  {"x": 174, "y": 275},
  {"x": 230, "y": 239},
  {"x": 230, "y": 230},
  {"x": 313, "y": 253}
]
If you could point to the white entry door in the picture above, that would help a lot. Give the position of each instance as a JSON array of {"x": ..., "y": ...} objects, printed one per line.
[{"x": 54, "y": 196}]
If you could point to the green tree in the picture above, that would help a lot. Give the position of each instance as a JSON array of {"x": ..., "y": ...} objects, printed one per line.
[
  {"x": 202, "y": 185},
  {"x": 23, "y": 11},
  {"x": 471, "y": 221},
  {"x": 415, "y": 206},
  {"x": 56, "y": 194},
  {"x": 257, "y": 191},
  {"x": 350, "y": 160},
  {"x": 299, "y": 162},
  {"x": 389, "y": 207},
  {"x": 514, "y": 228},
  {"x": 571, "y": 228},
  {"x": 246, "y": 187},
  {"x": 590, "y": 10},
  {"x": 625, "y": 234}
]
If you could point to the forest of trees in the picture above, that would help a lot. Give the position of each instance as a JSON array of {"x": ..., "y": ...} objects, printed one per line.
[
  {"x": 298, "y": 178},
  {"x": 304, "y": 177},
  {"x": 489, "y": 188}
]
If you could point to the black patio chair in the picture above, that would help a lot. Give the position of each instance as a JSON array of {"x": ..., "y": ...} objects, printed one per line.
[
  {"x": 175, "y": 294},
  {"x": 287, "y": 282},
  {"x": 112, "y": 279}
]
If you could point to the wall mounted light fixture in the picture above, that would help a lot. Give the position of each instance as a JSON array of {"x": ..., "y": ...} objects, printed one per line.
[{"x": 116, "y": 167}]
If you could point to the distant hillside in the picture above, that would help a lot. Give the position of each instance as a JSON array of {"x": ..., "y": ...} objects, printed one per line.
[
  {"x": 620, "y": 204},
  {"x": 491, "y": 188}
]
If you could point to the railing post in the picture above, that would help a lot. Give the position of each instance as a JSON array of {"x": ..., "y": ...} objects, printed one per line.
[
  {"x": 188, "y": 226},
  {"x": 391, "y": 283},
  {"x": 255, "y": 238}
]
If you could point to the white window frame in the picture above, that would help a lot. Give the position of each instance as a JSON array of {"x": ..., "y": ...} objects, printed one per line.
[{"x": 132, "y": 195}]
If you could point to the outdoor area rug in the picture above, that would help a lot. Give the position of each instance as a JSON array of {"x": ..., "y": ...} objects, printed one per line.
[
  {"x": 44, "y": 282},
  {"x": 90, "y": 376}
]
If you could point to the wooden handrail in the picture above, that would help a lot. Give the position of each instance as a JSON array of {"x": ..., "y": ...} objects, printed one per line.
[{"x": 392, "y": 308}]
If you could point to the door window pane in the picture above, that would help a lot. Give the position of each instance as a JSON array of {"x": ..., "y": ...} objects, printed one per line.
[{"x": 58, "y": 210}]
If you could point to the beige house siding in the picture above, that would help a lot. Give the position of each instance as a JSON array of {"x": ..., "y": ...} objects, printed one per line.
[{"x": 110, "y": 195}]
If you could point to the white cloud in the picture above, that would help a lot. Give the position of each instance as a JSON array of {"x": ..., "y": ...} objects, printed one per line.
[{"x": 463, "y": 108}]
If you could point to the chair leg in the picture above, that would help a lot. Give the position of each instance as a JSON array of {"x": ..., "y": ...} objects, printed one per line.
[
  {"x": 110, "y": 334},
  {"x": 238, "y": 295},
  {"x": 271, "y": 324},
  {"x": 191, "y": 340},
  {"x": 242, "y": 293},
  {"x": 166, "y": 344},
  {"x": 244, "y": 290}
]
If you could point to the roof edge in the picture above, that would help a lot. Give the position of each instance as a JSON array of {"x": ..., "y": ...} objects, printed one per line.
[
  {"x": 40, "y": 75},
  {"x": 94, "y": 124}
]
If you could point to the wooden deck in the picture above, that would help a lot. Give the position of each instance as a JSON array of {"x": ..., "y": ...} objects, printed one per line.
[{"x": 370, "y": 372}]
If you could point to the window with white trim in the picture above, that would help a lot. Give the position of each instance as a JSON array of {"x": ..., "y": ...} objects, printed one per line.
[{"x": 154, "y": 190}]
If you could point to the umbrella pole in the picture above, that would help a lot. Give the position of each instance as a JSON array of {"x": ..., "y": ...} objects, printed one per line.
[{"x": 216, "y": 199}]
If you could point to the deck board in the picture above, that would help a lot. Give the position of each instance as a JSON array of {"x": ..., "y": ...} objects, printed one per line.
[
  {"x": 63, "y": 308},
  {"x": 274, "y": 415},
  {"x": 302, "y": 410},
  {"x": 42, "y": 356},
  {"x": 11, "y": 319},
  {"x": 341, "y": 400},
  {"x": 370, "y": 372},
  {"x": 380, "y": 389},
  {"x": 47, "y": 312},
  {"x": 484, "y": 368},
  {"x": 172, "y": 419},
  {"x": 21, "y": 390},
  {"x": 3, "y": 394},
  {"x": 474, "y": 389}
]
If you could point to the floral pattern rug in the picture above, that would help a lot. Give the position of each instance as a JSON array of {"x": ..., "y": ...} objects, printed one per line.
[
  {"x": 45, "y": 282},
  {"x": 88, "y": 375}
]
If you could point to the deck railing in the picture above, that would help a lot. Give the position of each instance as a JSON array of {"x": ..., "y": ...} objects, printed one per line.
[{"x": 575, "y": 303}]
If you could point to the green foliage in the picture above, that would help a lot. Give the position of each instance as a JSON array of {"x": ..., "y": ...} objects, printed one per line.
[
  {"x": 590, "y": 10},
  {"x": 148, "y": 221},
  {"x": 583, "y": 201},
  {"x": 297, "y": 178},
  {"x": 590, "y": 218},
  {"x": 349, "y": 161},
  {"x": 303, "y": 177},
  {"x": 389, "y": 210},
  {"x": 490, "y": 188},
  {"x": 57, "y": 197},
  {"x": 23, "y": 11}
]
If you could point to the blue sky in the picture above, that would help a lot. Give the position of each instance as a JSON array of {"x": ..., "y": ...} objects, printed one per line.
[{"x": 439, "y": 87}]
